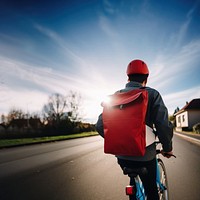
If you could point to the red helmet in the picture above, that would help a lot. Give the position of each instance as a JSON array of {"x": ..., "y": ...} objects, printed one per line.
[{"x": 137, "y": 67}]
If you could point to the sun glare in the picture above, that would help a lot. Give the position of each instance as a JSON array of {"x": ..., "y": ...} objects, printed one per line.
[{"x": 107, "y": 100}]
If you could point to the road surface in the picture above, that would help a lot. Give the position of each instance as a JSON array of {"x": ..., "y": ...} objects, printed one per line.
[{"x": 79, "y": 170}]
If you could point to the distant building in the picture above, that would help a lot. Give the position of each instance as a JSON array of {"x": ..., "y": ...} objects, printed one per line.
[
  {"x": 188, "y": 116},
  {"x": 2, "y": 128},
  {"x": 32, "y": 123}
]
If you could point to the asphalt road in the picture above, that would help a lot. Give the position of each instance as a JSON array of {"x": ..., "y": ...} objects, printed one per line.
[{"x": 79, "y": 170}]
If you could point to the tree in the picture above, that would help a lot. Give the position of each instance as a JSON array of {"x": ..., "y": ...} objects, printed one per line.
[
  {"x": 172, "y": 118},
  {"x": 73, "y": 105},
  {"x": 176, "y": 110},
  {"x": 15, "y": 113},
  {"x": 55, "y": 108},
  {"x": 62, "y": 111}
]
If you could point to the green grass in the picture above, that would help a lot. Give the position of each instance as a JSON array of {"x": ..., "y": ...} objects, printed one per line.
[{"x": 23, "y": 141}]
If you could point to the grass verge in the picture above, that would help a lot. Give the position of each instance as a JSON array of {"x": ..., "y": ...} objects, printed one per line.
[{"x": 25, "y": 141}]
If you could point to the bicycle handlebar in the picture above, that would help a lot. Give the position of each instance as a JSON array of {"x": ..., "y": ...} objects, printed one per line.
[{"x": 164, "y": 154}]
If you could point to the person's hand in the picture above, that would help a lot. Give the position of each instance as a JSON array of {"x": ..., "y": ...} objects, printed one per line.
[{"x": 167, "y": 154}]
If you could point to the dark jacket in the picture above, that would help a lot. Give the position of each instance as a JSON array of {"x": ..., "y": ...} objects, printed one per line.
[{"x": 156, "y": 116}]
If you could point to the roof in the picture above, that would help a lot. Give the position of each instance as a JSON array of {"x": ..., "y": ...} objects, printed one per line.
[{"x": 192, "y": 105}]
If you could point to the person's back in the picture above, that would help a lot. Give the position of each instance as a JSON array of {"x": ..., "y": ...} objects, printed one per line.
[{"x": 156, "y": 117}]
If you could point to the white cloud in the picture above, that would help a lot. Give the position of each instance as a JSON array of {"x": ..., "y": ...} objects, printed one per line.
[
  {"x": 99, "y": 74},
  {"x": 178, "y": 57},
  {"x": 61, "y": 43},
  {"x": 107, "y": 27},
  {"x": 27, "y": 87},
  {"x": 109, "y": 7},
  {"x": 25, "y": 99},
  {"x": 168, "y": 67},
  {"x": 179, "y": 99},
  {"x": 46, "y": 78},
  {"x": 183, "y": 29},
  {"x": 22, "y": 84}
]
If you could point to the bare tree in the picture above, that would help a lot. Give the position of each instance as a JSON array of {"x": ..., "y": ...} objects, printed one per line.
[
  {"x": 55, "y": 108},
  {"x": 62, "y": 107},
  {"x": 15, "y": 113},
  {"x": 74, "y": 106}
]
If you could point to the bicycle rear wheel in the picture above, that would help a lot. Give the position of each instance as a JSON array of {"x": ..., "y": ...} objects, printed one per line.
[{"x": 163, "y": 189}]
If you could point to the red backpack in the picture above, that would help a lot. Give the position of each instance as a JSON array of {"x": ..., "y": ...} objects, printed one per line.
[{"x": 124, "y": 123}]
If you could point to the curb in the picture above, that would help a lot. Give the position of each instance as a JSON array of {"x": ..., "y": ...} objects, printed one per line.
[{"x": 189, "y": 137}]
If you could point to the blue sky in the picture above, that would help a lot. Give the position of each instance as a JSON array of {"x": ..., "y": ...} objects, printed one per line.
[{"x": 85, "y": 46}]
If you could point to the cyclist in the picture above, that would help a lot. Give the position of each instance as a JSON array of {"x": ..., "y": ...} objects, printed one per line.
[{"x": 156, "y": 117}]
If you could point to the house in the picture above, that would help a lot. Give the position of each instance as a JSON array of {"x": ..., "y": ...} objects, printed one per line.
[
  {"x": 23, "y": 124},
  {"x": 188, "y": 116},
  {"x": 2, "y": 128}
]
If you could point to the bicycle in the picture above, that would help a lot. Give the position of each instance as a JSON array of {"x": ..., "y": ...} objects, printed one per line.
[{"x": 136, "y": 191}]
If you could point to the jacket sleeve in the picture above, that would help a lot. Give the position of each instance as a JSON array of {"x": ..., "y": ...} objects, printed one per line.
[
  {"x": 163, "y": 126},
  {"x": 99, "y": 126}
]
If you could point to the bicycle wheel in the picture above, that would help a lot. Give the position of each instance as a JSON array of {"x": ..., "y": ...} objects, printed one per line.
[{"x": 163, "y": 189}]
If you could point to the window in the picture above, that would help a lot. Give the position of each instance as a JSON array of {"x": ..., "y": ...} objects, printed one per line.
[
  {"x": 179, "y": 119},
  {"x": 183, "y": 118}
]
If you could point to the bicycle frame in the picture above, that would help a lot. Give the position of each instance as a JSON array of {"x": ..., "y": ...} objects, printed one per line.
[{"x": 136, "y": 191}]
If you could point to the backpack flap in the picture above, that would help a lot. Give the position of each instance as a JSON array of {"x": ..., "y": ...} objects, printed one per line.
[
  {"x": 124, "y": 123},
  {"x": 118, "y": 99}
]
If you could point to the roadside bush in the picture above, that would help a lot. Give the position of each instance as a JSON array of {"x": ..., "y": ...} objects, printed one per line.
[{"x": 196, "y": 128}]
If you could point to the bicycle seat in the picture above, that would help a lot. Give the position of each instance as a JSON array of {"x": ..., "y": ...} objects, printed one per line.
[{"x": 133, "y": 172}]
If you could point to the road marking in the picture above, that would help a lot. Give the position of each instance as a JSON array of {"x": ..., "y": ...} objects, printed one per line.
[{"x": 189, "y": 138}]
